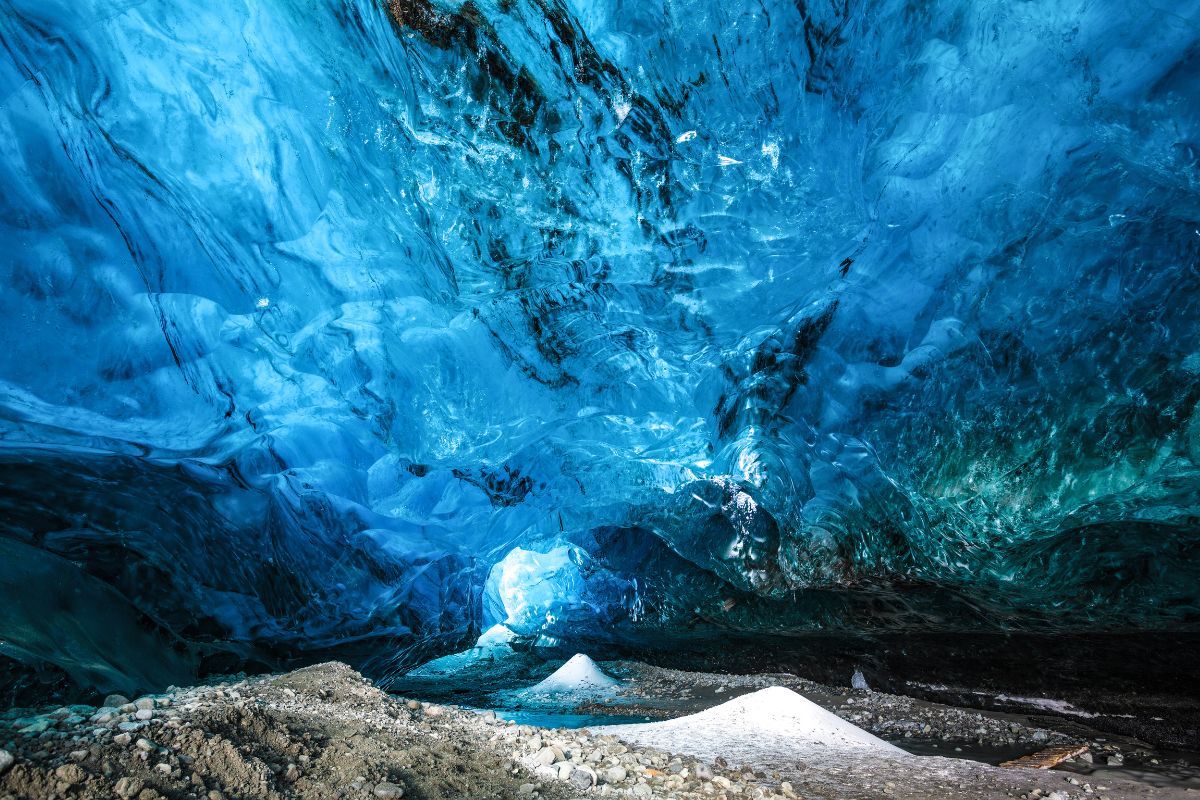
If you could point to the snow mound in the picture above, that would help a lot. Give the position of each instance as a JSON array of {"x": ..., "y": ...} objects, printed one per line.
[
  {"x": 492, "y": 646},
  {"x": 579, "y": 675},
  {"x": 770, "y": 726}
]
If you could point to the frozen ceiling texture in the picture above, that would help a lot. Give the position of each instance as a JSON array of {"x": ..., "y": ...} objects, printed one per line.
[{"x": 347, "y": 328}]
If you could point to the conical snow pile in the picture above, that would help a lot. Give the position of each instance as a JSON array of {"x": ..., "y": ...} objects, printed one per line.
[
  {"x": 578, "y": 676},
  {"x": 773, "y": 725}
]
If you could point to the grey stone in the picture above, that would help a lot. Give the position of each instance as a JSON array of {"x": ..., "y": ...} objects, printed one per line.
[
  {"x": 388, "y": 791},
  {"x": 614, "y": 774},
  {"x": 582, "y": 778},
  {"x": 6, "y": 761}
]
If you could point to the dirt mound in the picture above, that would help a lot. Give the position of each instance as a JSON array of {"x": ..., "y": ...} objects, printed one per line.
[{"x": 320, "y": 732}]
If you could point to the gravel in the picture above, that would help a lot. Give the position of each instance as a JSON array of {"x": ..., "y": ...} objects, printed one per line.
[{"x": 325, "y": 732}]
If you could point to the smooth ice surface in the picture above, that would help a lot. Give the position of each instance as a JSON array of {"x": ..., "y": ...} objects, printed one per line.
[
  {"x": 349, "y": 329},
  {"x": 770, "y": 726}
]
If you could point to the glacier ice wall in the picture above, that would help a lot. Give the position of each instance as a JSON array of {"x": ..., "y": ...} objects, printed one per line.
[{"x": 330, "y": 325}]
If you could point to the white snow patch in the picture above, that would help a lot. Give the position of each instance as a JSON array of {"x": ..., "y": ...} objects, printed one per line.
[
  {"x": 1042, "y": 703},
  {"x": 492, "y": 646},
  {"x": 770, "y": 726},
  {"x": 1057, "y": 706},
  {"x": 578, "y": 676},
  {"x": 495, "y": 636}
]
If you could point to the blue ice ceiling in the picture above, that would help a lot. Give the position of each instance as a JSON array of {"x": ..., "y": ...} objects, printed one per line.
[{"x": 345, "y": 328}]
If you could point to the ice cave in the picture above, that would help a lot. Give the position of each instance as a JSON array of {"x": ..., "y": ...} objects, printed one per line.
[{"x": 447, "y": 339}]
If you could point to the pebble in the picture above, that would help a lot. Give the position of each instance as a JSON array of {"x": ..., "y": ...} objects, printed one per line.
[
  {"x": 70, "y": 774},
  {"x": 614, "y": 774},
  {"x": 122, "y": 739},
  {"x": 6, "y": 761},
  {"x": 582, "y": 778},
  {"x": 116, "y": 701},
  {"x": 388, "y": 791},
  {"x": 145, "y": 745},
  {"x": 127, "y": 787}
]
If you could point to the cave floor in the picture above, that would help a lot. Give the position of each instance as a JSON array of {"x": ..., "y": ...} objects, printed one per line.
[{"x": 325, "y": 732}]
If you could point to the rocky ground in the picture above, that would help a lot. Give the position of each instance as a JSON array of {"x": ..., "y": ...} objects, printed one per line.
[
  {"x": 325, "y": 732},
  {"x": 887, "y": 716},
  {"x": 928, "y": 728}
]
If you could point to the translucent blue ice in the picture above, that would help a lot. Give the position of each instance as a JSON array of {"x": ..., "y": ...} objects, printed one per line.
[{"x": 771, "y": 315}]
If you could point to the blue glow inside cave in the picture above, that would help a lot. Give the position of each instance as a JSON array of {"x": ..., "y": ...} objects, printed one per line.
[{"x": 348, "y": 329}]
